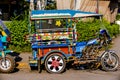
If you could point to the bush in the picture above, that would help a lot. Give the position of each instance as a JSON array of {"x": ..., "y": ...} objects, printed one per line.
[
  {"x": 18, "y": 31},
  {"x": 86, "y": 30}
]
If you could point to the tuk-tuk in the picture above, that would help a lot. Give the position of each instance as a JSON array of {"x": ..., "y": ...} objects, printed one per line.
[
  {"x": 53, "y": 38},
  {"x": 7, "y": 62}
]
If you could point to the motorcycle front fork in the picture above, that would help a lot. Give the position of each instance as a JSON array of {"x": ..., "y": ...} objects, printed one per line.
[
  {"x": 3, "y": 57},
  {"x": 109, "y": 60}
]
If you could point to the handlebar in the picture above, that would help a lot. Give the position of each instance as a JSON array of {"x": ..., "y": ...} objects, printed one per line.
[{"x": 104, "y": 38}]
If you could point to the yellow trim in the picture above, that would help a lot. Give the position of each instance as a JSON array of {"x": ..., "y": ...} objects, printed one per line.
[
  {"x": 39, "y": 52},
  {"x": 3, "y": 33},
  {"x": 34, "y": 61},
  {"x": 58, "y": 23},
  {"x": 3, "y": 54}
]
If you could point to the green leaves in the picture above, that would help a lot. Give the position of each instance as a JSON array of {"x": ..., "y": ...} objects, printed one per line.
[
  {"x": 18, "y": 31},
  {"x": 88, "y": 29}
]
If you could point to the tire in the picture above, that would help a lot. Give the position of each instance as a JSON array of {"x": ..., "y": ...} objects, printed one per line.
[
  {"x": 108, "y": 65},
  {"x": 55, "y": 63},
  {"x": 10, "y": 64}
]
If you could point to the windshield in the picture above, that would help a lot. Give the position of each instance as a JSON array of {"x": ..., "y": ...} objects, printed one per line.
[{"x": 51, "y": 25}]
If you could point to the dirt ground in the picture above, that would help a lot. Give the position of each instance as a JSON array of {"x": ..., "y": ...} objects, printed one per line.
[{"x": 24, "y": 73}]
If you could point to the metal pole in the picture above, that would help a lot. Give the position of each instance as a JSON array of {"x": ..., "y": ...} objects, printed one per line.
[
  {"x": 75, "y": 4},
  {"x": 39, "y": 6},
  {"x": 31, "y": 8},
  {"x": 31, "y": 5},
  {"x": 97, "y": 10}
]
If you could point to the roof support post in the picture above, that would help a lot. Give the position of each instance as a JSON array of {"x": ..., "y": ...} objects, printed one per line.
[
  {"x": 97, "y": 10},
  {"x": 31, "y": 5}
]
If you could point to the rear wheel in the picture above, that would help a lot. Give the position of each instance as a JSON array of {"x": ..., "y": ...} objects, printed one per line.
[
  {"x": 55, "y": 63},
  {"x": 7, "y": 65},
  {"x": 110, "y": 62}
]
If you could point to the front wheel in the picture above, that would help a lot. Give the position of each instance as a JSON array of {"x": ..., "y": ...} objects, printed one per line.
[
  {"x": 110, "y": 62},
  {"x": 55, "y": 63},
  {"x": 7, "y": 64}
]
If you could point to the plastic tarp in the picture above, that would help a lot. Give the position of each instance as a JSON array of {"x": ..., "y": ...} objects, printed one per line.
[{"x": 51, "y": 14}]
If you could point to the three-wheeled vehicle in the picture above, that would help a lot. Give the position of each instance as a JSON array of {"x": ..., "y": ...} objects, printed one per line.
[
  {"x": 54, "y": 43},
  {"x": 7, "y": 62}
]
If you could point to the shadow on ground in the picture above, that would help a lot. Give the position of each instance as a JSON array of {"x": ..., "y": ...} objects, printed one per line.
[{"x": 17, "y": 58}]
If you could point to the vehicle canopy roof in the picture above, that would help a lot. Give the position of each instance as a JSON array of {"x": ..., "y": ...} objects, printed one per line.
[{"x": 53, "y": 14}]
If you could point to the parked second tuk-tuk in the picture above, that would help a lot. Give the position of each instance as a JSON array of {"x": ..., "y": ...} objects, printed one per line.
[{"x": 7, "y": 62}]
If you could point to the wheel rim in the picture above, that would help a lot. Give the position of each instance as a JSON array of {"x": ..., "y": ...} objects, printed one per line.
[
  {"x": 110, "y": 64},
  {"x": 5, "y": 64},
  {"x": 55, "y": 63}
]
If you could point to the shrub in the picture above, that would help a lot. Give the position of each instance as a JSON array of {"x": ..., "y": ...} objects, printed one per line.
[
  {"x": 86, "y": 30},
  {"x": 18, "y": 30}
]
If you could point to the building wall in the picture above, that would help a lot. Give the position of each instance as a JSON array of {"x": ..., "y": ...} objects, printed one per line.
[
  {"x": 108, "y": 8},
  {"x": 63, "y": 4}
]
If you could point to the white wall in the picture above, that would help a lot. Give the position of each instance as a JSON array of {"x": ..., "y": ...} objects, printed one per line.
[
  {"x": 77, "y": 4},
  {"x": 69, "y": 4},
  {"x": 63, "y": 4}
]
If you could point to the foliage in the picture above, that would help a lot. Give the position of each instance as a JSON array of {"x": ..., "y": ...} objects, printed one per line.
[
  {"x": 18, "y": 31},
  {"x": 50, "y": 5},
  {"x": 118, "y": 17},
  {"x": 88, "y": 29}
]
